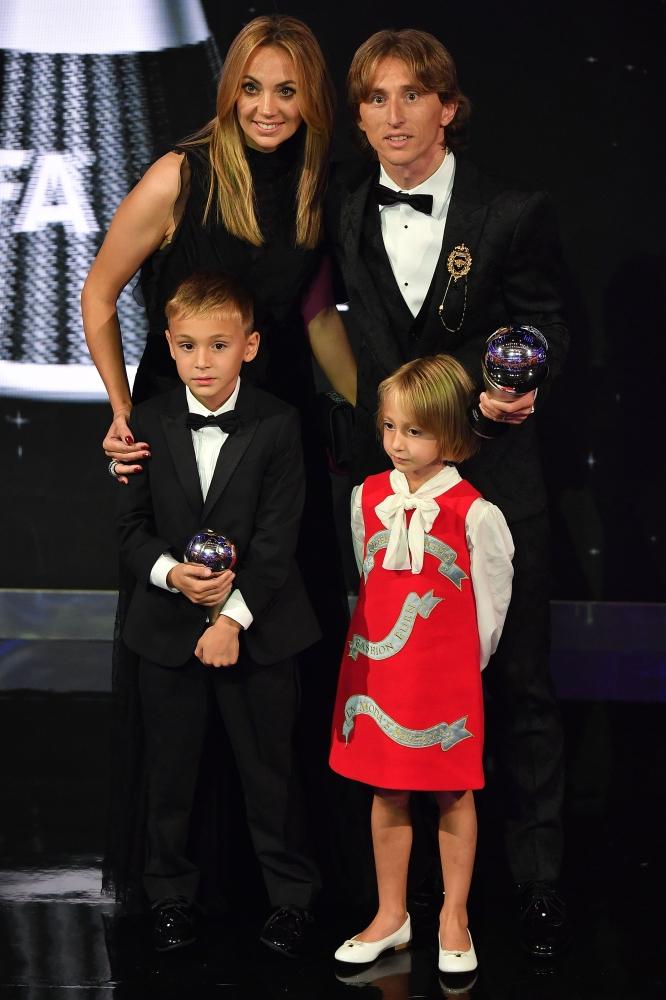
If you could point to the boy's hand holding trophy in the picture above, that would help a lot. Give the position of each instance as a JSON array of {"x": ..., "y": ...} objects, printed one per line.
[{"x": 209, "y": 548}]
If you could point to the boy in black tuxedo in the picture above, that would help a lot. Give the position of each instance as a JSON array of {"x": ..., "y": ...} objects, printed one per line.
[{"x": 241, "y": 475}]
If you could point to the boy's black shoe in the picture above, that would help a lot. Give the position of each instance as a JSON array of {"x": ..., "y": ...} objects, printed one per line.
[
  {"x": 544, "y": 925},
  {"x": 288, "y": 931},
  {"x": 173, "y": 924}
]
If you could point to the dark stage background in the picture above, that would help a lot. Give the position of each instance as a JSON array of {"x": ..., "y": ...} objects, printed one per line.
[{"x": 568, "y": 97}]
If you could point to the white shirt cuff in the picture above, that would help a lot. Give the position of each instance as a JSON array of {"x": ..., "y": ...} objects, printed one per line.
[
  {"x": 236, "y": 608},
  {"x": 160, "y": 571}
]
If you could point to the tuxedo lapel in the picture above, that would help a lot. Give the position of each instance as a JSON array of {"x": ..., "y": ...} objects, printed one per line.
[
  {"x": 354, "y": 196},
  {"x": 464, "y": 224},
  {"x": 375, "y": 329},
  {"x": 233, "y": 449},
  {"x": 179, "y": 439},
  {"x": 465, "y": 218}
]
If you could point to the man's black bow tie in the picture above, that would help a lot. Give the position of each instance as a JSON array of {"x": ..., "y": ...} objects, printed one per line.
[
  {"x": 227, "y": 422},
  {"x": 419, "y": 202}
]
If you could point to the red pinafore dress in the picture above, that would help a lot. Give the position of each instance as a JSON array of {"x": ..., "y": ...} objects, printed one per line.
[{"x": 409, "y": 706}]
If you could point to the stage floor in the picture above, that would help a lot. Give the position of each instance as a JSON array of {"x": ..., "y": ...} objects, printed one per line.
[{"x": 60, "y": 938}]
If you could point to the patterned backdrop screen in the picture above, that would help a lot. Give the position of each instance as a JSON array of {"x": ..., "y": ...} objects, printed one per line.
[{"x": 84, "y": 108}]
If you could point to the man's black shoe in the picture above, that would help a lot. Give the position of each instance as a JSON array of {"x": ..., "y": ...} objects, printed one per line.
[
  {"x": 173, "y": 924},
  {"x": 288, "y": 931},
  {"x": 543, "y": 919}
]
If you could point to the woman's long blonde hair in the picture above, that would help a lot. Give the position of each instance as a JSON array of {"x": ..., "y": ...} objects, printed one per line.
[{"x": 231, "y": 184}]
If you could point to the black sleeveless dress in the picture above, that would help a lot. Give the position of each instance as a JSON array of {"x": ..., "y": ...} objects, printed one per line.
[{"x": 276, "y": 274}]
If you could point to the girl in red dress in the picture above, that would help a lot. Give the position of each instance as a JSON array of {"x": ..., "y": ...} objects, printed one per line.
[{"x": 435, "y": 565}]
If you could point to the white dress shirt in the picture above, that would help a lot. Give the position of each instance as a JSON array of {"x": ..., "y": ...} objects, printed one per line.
[
  {"x": 488, "y": 540},
  {"x": 413, "y": 240},
  {"x": 207, "y": 443}
]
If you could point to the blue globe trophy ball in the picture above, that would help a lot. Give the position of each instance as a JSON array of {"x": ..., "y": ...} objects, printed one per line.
[
  {"x": 209, "y": 548},
  {"x": 515, "y": 361}
]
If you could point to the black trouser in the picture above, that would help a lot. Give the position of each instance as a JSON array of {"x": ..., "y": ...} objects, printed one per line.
[
  {"x": 524, "y": 731},
  {"x": 258, "y": 707}
]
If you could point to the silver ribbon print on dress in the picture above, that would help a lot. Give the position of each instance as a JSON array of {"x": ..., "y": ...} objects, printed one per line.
[
  {"x": 446, "y": 735},
  {"x": 434, "y": 546},
  {"x": 400, "y": 632}
]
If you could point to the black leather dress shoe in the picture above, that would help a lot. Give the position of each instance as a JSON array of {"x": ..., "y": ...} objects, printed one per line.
[
  {"x": 288, "y": 931},
  {"x": 544, "y": 925},
  {"x": 173, "y": 924}
]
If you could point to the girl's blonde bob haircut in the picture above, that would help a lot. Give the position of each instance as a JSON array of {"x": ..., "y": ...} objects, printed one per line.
[
  {"x": 231, "y": 189},
  {"x": 436, "y": 394}
]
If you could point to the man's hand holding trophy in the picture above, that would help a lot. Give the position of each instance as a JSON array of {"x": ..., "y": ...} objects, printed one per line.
[{"x": 515, "y": 363}]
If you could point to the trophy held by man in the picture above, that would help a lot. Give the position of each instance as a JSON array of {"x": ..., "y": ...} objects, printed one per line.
[{"x": 515, "y": 362}]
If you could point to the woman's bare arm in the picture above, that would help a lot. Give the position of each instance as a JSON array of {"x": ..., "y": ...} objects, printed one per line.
[
  {"x": 144, "y": 221},
  {"x": 332, "y": 350}
]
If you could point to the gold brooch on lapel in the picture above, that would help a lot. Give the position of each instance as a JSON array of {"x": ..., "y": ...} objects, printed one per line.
[{"x": 458, "y": 264}]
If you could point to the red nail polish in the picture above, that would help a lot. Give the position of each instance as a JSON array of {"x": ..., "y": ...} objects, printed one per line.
[{"x": 129, "y": 439}]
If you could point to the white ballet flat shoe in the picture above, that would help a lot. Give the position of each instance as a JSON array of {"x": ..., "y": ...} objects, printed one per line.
[
  {"x": 357, "y": 952},
  {"x": 392, "y": 963},
  {"x": 457, "y": 961}
]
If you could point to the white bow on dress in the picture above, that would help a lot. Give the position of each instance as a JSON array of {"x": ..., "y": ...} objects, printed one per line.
[{"x": 405, "y": 547}]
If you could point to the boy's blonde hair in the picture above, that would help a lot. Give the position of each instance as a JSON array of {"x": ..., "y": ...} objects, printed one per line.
[
  {"x": 435, "y": 393},
  {"x": 205, "y": 294}
]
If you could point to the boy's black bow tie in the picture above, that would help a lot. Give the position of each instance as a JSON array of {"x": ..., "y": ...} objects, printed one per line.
[
  {"x": 227, "y": 422},
  {"x": 419, "y": 202}
]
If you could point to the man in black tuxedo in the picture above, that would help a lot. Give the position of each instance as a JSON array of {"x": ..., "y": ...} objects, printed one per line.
[
  {"x": 435, "y": 257},
  {"x": 228, "y": 456}
]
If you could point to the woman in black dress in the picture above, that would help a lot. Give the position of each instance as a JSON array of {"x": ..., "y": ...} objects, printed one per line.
[{"x": 243, "y": 196}]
